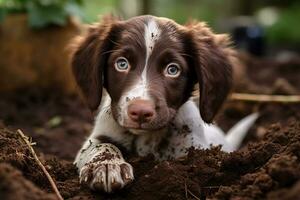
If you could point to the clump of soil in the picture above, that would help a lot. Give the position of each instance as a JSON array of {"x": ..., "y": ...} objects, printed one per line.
[
  {"x": 14, "y": 185},
  {"x": 266, "y": 167}
]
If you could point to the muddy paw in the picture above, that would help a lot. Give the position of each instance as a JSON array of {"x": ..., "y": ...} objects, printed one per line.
[{"x": 106, "y": 173}]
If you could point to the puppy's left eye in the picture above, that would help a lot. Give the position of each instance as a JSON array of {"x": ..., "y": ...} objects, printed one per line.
[
  {"x": 122, "y": 64},
  {"x": 172, "y": 70}
]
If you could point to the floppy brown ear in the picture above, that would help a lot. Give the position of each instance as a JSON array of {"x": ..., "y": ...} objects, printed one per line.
[
  {"x": 90, "y": 57},
  {"x": 212, "y": 64}
]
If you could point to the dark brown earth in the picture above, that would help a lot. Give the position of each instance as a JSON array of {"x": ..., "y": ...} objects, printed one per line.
[{"x": 266, "y": 167}]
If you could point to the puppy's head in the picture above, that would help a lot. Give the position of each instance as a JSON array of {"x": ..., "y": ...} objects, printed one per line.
[{"x": 149, "y": 66}]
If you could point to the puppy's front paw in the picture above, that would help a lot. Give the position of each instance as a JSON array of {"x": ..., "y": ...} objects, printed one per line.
[{"x": 106, "y": 172}]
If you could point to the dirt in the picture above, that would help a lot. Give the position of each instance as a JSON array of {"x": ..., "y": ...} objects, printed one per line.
[{"x": 266, "y": 167}]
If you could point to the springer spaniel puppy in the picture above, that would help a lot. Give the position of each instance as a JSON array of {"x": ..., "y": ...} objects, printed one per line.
[{"x": 139, "y": 75}]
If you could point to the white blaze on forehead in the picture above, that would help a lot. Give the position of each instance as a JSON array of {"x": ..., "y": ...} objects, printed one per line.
[
  {"x": 140, "y": 89},
  {"x": 152, "y": 33}
]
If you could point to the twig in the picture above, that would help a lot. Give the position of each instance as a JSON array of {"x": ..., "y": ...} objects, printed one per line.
[
  {"x": 185, "y": 189},
  {"x": 193, "y": 194},
  {"x": 266, "y": 98},
  {"x": 29, "y": 144}
]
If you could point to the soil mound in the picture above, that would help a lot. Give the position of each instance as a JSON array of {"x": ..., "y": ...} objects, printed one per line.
[{"x": 268, "y": 169}]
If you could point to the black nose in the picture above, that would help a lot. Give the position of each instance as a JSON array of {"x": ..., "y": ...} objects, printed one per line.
[{"x": 141, "y": 111}]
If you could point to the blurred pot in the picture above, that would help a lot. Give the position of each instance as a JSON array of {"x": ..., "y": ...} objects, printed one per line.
[{"x": 35, "y": 58}]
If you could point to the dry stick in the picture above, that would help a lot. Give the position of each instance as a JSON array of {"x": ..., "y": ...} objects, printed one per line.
[
  {"x": 28, "y": 143},
  {"x": 185, "y": 189},
  {"x": 266, "y": 98},
  {"x": 197, "y": 198},
  {"x": 188, "y": 191}
]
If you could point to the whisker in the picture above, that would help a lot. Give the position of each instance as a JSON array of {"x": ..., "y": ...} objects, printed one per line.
[
  {"x": 110, "y": 51},
  {"x": 184, "y": 54},
  {"x": 114, "y": 42}
]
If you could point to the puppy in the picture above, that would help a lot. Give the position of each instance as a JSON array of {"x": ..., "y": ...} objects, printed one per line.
[{"x": 139, "y": 75}]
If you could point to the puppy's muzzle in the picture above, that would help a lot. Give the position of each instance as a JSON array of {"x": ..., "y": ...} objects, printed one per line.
[{"x": 141, "y": 111}]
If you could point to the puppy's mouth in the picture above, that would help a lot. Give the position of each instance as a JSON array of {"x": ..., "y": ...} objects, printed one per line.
[
  {"x": 140, "y": 131},
  {"x": 135, "y": 131},
  {"x": 143, "y": 128}
]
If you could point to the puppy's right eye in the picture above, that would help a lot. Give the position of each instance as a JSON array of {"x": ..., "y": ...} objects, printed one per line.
[
  {"x": 122, "y": 64},
  {"x": 172, "y": 70}
]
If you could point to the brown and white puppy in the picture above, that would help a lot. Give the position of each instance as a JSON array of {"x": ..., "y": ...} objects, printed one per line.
[{"x": 138, "y": 75}]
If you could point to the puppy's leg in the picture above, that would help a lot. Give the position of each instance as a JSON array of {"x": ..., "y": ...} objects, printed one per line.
[{"x": 102, "y": 167}]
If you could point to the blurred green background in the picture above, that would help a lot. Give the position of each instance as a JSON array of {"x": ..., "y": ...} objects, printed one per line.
[{"x": 278, "y": 18}]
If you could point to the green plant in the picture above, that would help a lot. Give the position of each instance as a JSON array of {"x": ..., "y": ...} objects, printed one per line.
[
  {"x": 42, "y": 13},
  {"x": 286, "y": 29},
  {"x": 2, "y": 13}
]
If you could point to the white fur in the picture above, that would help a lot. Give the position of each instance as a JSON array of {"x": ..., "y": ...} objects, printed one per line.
[
  {"x": 106, "y": 125},
  {"x": 238, "y": 132}
]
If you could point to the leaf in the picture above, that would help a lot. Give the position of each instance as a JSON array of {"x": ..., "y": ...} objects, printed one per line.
[
  {"x": 2, "y": 14},
  {"x": 42, "y": 13},
  {"x": 54, "y": 122},
  {"x": 74, "y": 9},
  {"x": 41, "y": 16}
]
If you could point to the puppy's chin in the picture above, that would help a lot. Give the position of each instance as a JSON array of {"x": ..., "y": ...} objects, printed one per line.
[
  {"x": 146, "y": 131},
  {"x": 138, "y": 131}
]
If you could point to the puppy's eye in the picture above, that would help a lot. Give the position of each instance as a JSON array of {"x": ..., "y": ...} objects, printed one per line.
[
  {"x": 122, "y": 64},
  {"x": 172, "y": 70}
]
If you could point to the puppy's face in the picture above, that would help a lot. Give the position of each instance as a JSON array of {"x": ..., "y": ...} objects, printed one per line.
[
  {"x": 147, "y": 73},
  {"x": 150, "y": 66}
]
